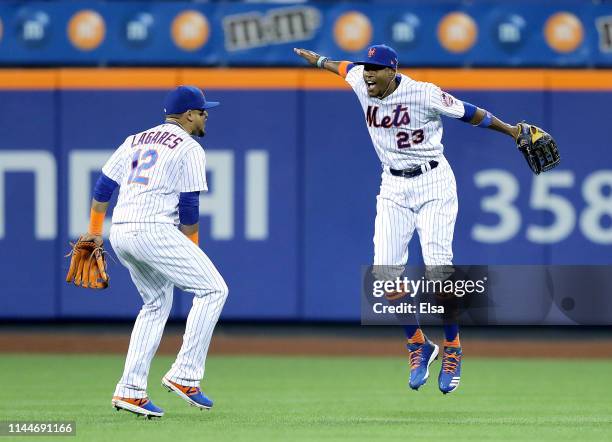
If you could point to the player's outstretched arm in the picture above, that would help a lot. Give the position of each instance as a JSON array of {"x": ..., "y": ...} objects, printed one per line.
[
  {"x": 320, "y": 61},
  {"x": 538, "y": 147},
  {"x": 481, "y": 117},
  {"x": 445, "y": 104}
]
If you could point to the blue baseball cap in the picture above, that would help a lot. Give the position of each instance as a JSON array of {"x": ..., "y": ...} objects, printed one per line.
[
  {"x": 185, "y": 98},
  {"x": 381, "y": 55}
]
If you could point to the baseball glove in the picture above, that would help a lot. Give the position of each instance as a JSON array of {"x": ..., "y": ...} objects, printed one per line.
[
  {"x": 87, "y": 265},
  {"x": 538, "y": 148}
]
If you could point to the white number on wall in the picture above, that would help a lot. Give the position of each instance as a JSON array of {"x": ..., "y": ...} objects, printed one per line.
[
  {"x": 598, "y": 205},
  {"x": 542, "y": 198},
  {"x": 501, "y": 204},
  {"x": 596, "y": 191}
]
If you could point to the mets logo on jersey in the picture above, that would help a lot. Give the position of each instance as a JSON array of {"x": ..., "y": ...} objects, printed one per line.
[
  {"x": 399, "y": 117},
  {"x": 447, "y": 99}
]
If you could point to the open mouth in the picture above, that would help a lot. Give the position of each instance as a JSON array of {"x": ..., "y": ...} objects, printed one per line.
[{"x": 371, "y": 84}]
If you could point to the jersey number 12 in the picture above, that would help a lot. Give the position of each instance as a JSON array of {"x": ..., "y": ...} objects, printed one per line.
[{"x": 140, "y": 164}]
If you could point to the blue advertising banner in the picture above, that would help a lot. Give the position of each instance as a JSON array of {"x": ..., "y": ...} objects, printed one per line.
[
  {"x": 425, "y": 33},
  {"x": 289, "y": 218},
  {"x": 28, "y": 206}
]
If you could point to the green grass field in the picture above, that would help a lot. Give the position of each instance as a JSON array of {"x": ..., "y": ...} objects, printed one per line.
[{"x": 290, "y": 398}]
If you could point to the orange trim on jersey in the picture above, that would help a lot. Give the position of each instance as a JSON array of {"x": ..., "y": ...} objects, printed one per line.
[
  {"x": 96, "y": 222},
  {"x": 295, "y": 78},
  {"x": 342, "y": 68}
]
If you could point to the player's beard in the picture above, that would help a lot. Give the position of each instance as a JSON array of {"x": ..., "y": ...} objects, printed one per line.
[{"x": 201, "y": 131}]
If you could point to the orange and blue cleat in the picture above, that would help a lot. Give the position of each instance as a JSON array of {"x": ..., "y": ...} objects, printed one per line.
[
  {"x": 139, "y": 406},
  {"x": 193, "y": 395},
  {"x": 421, "y": 357},
  {"x": 450, "y": 373}
]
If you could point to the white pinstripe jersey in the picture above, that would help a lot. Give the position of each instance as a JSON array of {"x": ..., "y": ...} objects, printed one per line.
[
  {"x": 405, "y": 127},
  {"x": 152, "y": 168}
]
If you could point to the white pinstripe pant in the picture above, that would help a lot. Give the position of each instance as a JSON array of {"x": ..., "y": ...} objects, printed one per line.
[
  {"x": 428, "y": 203},
  {"x": 160, "y": 257}
]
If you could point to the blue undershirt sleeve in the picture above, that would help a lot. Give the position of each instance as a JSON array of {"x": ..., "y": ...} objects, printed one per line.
[
  {"x": 470, "y": 110},
  {"x": 189, "y": 208},
  {"x": 104, "y": 188}
]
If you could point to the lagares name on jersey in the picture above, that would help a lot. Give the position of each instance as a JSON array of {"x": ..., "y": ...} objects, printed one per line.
[{"x": 157, "y": 137}]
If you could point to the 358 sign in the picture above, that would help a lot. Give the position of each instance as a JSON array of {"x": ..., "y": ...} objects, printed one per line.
[{"x": 593, "y": 220}]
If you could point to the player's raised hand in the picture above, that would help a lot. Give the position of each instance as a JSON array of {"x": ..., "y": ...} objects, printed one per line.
[{"x": 310, "y": 56}]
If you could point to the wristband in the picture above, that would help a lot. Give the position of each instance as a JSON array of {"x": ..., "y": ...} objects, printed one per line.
[
  {"x": 321, "y": 60},
  {"x": 96, "y": 222},
  {"x": 486, "y": 121}
]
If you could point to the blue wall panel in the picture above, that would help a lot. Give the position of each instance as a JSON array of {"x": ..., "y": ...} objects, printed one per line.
[
  {"x": 583, "y": 121},
  {"x": 261, "y": 274},
  {"x": 26, "y": 128},
  {"x": 323, "y": 179},
  {"x": 341, "y": 180}
]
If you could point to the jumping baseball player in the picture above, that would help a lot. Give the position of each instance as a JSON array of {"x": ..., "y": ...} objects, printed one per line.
[
  {"x": 161, "y": 172},
  {"x": 418, "y": 189}
]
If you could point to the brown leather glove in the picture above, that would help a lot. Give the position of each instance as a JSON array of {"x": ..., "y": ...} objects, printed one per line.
[{"x": 88, "y": 265}]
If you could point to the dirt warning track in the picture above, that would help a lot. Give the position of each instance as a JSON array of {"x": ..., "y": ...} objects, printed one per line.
[{"x": 28, "y": 342}]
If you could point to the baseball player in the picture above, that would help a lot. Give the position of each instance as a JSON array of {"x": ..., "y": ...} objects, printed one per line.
[
  {"x": 161, "y": 172},
  {"x": 418, "y": 189}
]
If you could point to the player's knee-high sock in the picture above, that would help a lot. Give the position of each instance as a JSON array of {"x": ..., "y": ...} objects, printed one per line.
[
  {"x": 451, "y": 335},
  {"x": 409, "y": 330},
  {"x": 414, "y": 334},
  {"x": 146, "y": 335},
  {"x": 188, "y": 369}
]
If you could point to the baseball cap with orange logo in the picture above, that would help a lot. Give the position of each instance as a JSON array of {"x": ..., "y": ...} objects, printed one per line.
[{"x": 381, "y": 55}]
